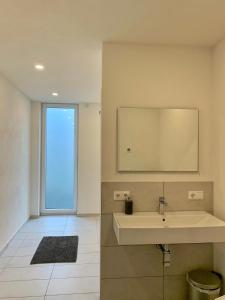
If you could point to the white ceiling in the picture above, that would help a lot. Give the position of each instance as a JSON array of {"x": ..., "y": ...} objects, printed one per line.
[{"x": 67, "y": 35}]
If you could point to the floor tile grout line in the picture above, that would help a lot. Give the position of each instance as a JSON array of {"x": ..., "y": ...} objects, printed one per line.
[
  {"x": 54, "y": 264},
  {"x": 28, "y": 237},
  {"x": 98, "y": 232},
  {"x": 49, "y": 280},
  {"x": 65, "y": 226},
  {"x": 30, "y": 255},
  {"x": 73, "y": 277},
  {"x": 43, "y": 296},
  {"x": 69, "y": 294},
  {"x": 22, "y": 297},
  {"x": 11, "y": 257},
  {"x": 6, "y": 281},
  {"x": 63, "y": 264},
  {"x": 59, "y": 278}
]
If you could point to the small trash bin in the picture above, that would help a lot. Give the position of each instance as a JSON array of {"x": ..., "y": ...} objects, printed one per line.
[{"x": 203, "y": 285}]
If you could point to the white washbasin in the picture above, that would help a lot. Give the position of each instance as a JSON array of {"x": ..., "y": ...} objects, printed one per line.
[{"x": 174, "y": 228}]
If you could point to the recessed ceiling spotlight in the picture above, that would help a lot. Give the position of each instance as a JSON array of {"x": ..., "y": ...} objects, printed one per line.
[
  {"x": 39, "y": 67},
  {"x": 55, "y": 94}
]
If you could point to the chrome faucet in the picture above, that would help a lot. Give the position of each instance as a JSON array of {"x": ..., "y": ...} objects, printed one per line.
[{"x": 162, "y": 204}]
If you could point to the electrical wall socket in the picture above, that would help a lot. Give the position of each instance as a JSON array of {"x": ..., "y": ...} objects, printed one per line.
[
  {"x": 121, "y": 195},
  {"x": 195, "y": 195}
]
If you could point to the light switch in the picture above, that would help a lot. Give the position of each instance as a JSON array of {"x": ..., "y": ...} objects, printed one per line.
[{"x": 195, "y": 195}]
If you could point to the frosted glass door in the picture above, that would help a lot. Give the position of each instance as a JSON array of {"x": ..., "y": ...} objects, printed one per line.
[{"x": 60, "y": 158}]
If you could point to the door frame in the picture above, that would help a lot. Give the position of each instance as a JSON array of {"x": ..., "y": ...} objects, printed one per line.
[{"x": 43, "y": 209}]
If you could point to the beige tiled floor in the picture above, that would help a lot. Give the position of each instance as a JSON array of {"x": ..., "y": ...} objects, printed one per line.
[{"x": 71, "y": 281}]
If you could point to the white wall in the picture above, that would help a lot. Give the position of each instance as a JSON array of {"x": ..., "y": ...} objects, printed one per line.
[
  {"x": 89, "y": 144},
  {"x": 88, "y": 200},
  {"x": 218, "y": 133},
  {"x": 14, "y": 160},
  {"x": 155, "y": 76}
]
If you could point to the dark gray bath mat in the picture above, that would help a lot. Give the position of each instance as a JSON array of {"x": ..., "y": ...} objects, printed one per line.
[{"x": 56, "y": 249}]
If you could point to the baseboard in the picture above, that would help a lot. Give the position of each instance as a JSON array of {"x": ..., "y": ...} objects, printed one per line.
[
  {"x": 34, "y": 217},
  {"x": 58, "y": 213},
  {"x": 65, "y": 213}
]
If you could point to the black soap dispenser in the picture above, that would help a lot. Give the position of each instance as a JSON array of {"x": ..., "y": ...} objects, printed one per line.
[{"x": 128, "y": 206}]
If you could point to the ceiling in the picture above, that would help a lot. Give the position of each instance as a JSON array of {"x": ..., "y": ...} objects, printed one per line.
[{"x": 66, "y": 36}]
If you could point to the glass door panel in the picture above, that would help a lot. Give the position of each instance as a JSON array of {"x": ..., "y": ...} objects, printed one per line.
[{"x": 60, "y": 157}]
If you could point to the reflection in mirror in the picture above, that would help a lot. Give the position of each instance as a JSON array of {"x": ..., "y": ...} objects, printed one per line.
[{"x": 154, "y": 139}]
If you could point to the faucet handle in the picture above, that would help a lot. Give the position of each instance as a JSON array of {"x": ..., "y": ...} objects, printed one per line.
[{"x": 162, "y": 200}]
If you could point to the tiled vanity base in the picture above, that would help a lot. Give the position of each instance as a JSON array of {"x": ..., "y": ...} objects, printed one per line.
[{"x": 136, "y": 272}]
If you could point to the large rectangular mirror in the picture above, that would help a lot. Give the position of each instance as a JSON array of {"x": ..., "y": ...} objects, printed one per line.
[{"x": 156, "y": 139}]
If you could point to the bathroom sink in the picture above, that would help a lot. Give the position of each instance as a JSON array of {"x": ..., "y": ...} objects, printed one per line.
[{"x": 172, "y": 228}]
